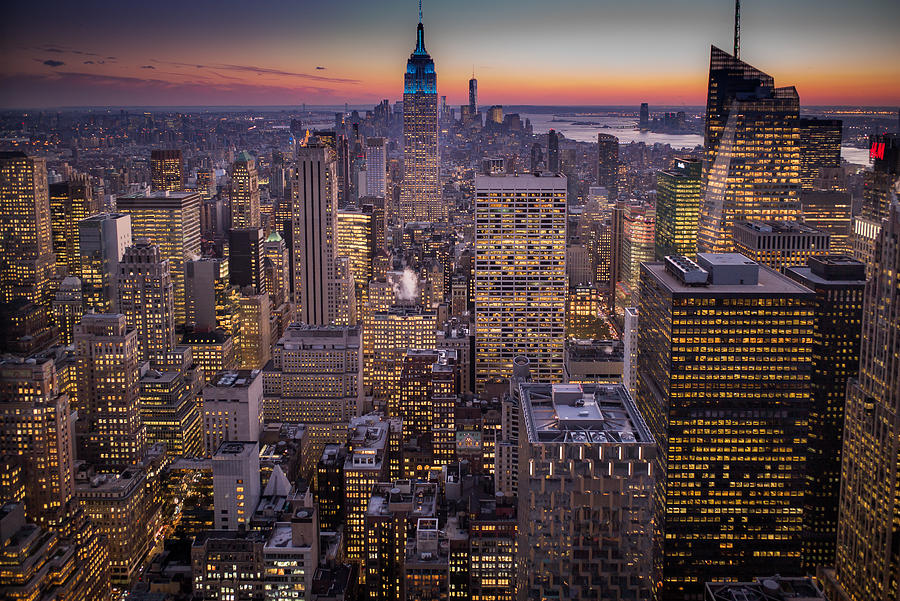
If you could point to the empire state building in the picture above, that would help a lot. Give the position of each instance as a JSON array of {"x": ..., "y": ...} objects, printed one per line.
[{"x": 420, "y": 194}]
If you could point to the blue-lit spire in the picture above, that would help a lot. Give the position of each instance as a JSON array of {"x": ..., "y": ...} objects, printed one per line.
[
  {"x": 420, "y": 41},
  {"x": 420, "y": 75}
]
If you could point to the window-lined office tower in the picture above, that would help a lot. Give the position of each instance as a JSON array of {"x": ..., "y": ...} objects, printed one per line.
[
  {"x": 376, "y": 168},
  {"x": 102, "y": 239},
  {"x": 211, "y": 301},
  {"x": 638, "y": 243},
  {"x": 839, "y": 283},
  {"x": 314, "y": 378},
  {"x": 878, "y": 187},
  {"x": 145, "y": 296},
  {"x": 25, "y": 229},
  {"x": 473, "y": 96},
  {"x": 868, "y": 562},
  {"x": 608, "y": 163},
  {"x": 420, "y": 193},
  {"x": 36, "y": 438},
  {"x": 169, "y": 408},
  {"x": 585, "y": 494},
  {"x": 170, "y": 220},
  {"x": 779, "y": 244},
  {"x": 520, "y": 274},
  {"x": 167, "y": 170},
  {"x": 820, "y": 148},
  {"x": 110, "y": 430},
  {"x": 724, "y": 367},
  {"x": 355, "y": 240},
  {"x": 752, "y": 154},
  {"x": 830, "y": 212},
  {"x": 678, "y": 194},
  {"x": 70, "y": 203},
  {"x": 321, "y": 287},
  {"x": 244, "y": 192}
]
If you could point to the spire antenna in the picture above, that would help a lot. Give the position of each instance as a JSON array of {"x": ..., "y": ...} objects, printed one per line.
[
  {"x": 737, "y": 28},
  {"x": 420, "y": 11}
]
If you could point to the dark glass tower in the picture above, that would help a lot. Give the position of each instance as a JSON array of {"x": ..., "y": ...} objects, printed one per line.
[
  {"x": 420, "y": 195},
  {"x": 608, "y": 163},
  {"x": 820, "y": 148},
  {"x": 473, "y": 95},
  {"x": 839, "y": 283},
  {"x": 724, "y": 384},
  {"x": 553, "y": 151}
]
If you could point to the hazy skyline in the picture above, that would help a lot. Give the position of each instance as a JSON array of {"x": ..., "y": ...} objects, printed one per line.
[{"x": 585, "y": 52}]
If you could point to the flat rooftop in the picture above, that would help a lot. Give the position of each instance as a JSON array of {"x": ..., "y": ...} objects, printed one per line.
[
  {"x": 778, "y": 227},
  {"x": 240, "y": 378},
  {"x": 581, "y": 414},
  {"x": 232, "y": 449},
  {"x": 545, "y": 182},
  {"x": 770, "y": 281}
]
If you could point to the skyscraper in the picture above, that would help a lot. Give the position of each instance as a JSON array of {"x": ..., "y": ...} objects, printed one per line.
[
  {"x": 170, "y": 220},
  {"x": 585, "y": 460},
  {"x": 779, "y": 244},
  {"x": 553, "y": 151},
  {"x": 820, "y": 148},
  {"x": 236, "y": 488},
  {"x": 376, "y": 168},
  {"x": 103, "y": 239},
  {"x": 321, "y": 288},
  {"x": 724, "y": 368},
  {"x": 110, "y": 429},
  {"x": 232, "y": 408},
  {"x": 867, "y": 562},
  {"x": 70, "y": 203},
  {"x": 878, "y": 185},
  {"x": 244, "y": 192},
  {"x": 36, "y": 437},
  {"x": 26, "y": 242},
  {"x": 638, "y": 244},
  {"x": 145, "y": 296},
  {"x": 520, "y": 274},
  {"x": 167, "y": 170},
  {"x": 608, "y": 163},
  {"x": 839, "y": 283},
  {"x": 420, "y": 195},
  {"x": 752, "y": 157},
  {"x": 678, "y": 208},
  {"x": 644, "y": 119},
  {"x": 473, "y": 95},
  {"x": 830, "y": 212}
]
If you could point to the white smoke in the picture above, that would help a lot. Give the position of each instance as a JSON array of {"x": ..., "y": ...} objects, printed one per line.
[{"x": 406, "y": 286}]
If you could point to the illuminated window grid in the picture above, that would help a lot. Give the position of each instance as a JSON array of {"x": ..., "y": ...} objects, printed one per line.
[
  {"x": 520, "y": 281},
  {"x": 737, "y": 386}
]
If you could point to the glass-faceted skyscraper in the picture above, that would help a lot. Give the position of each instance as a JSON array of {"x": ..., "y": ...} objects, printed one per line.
[
  {"x": 752, "y": 151},
  {"x": 678, "y": 208},
  {"x": 420, "y": 194}
]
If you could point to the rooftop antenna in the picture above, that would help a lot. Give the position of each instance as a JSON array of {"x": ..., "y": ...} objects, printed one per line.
[
  {"x": 737, "y": 28},
  {"x": 420, "y": 11}
]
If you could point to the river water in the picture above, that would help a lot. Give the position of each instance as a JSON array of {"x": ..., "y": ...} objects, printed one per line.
[{"x": 624, "y": 129}]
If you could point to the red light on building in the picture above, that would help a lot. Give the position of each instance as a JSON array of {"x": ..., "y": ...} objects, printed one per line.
[{"x": 877, "y": 151}]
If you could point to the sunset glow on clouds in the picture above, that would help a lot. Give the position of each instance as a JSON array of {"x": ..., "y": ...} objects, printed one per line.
[{"x": 524, "y": 52}]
